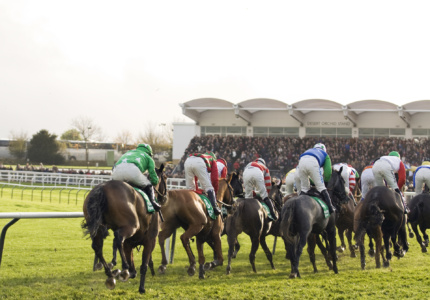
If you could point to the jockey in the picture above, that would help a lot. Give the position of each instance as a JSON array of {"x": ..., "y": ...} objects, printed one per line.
[
  {"x": 349, "y": 175},
  {"x": 422, "y": 176},
  {"x": 222, "y": 168},
  {"x": 131, "y": 166},
  {"x": 290, "y": 182},
  {"x": 204, "y": 167},
  {"x": 309, "y": 166},
  {"x": 367, "y": 180},
  {"x": 384, "y": 169},
  {"x": 256, "y": 175}
]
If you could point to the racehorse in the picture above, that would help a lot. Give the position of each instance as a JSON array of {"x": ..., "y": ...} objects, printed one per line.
[
  {"x": 249, "y": 216},
  {"x": 381, "y": 216},
  {"x": 302, "y": 216},
  {"x": 117, "y": 206},
  {"x": 184, "y": 208},
  {"x": 419, "y": 216},
  {"x": 345, "y": 224}
]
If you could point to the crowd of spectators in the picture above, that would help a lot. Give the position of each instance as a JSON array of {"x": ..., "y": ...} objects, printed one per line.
[
  {"x": 54, "y": 169},
  {"x": 282, "y": 153}
]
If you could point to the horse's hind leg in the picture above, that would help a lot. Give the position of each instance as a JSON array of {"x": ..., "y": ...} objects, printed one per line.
[
  {"x": 331, "y": 234},
  {"x": 324, "y": 252},
  {"x": 199, "y": 244},
  {"x": 255, "y": 240},
  {"x": 97, "y": 245},
  {"x": 192, "y": 230},
  {"x": 267, "y": 250},
  {"x": 232, "y": 240},
  {"x": 342, "y": 246},
  {"x": 311, "y": 250},
  {"x": 351, "y": 247}
]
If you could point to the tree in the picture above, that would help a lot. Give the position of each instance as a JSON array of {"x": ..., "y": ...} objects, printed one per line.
[
  {"x": 71, "y": 135},
  {"x": 44, "y": 148},
  {"x": 88, "y": 130},
  {"x": 18, "y": 144},
  {"x": 160, "y": 138},
  {"x": 124, "y": 139}
]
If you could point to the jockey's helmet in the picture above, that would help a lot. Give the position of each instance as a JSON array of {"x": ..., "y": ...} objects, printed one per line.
[
  {"x": 261, "y": 161},
  {"x": 394, "y": 153},
  {"x": 146, "y": 148},
  {"x": 222, "y": 160},
  {"x": 321, "y": 146}
]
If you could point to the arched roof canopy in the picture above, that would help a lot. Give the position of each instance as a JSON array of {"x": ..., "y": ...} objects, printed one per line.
[
  {"x": 417, "y": 106},
  {"x": 194, "y": 108}
]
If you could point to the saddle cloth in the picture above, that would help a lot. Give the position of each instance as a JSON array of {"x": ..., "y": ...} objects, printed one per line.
[
  {"x": 323, "y": 206},
  {"x": 208, "y": 204},
  {"x": 149, "y": 207},
  {"x": 266, "y": 208}
]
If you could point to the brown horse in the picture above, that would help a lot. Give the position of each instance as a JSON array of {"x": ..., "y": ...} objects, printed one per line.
[
  {"x": 117, "y": 206},
  {"x": 185, "y": 209},
  {"x": 381, "y": 216},
  {"x": 249, "y": 216},
  {"x": 345, "y": 224}
]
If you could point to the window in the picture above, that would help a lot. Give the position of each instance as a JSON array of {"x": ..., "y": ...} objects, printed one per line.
[
  {"x": 328, "y": 132},
  {"x": 381, "y": 132},
  {"x": 276, "y": 131},
  {"x": 223, "y": 130}
]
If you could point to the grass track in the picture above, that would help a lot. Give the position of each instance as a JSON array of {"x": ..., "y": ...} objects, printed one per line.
[{"x": 50, "y": 259}]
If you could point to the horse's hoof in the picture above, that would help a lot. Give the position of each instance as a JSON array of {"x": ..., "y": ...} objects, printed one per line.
[
  {"x": 363, "y": 267},
  {"x": 116, "y": 273},
  {"x": 110, "y": 283},
  {"x": 372, "y": 253},
  {"x": 293, "y": 275},
  {"x": 208, "y": 266},
  {"x": 134, "y": 274},
  {"x": 411, "y": 235},
  {"x": 399, "y": 254},
  {"x": 191, "y": 271},
  {"x": 228, "y": 270},
  {"x": 353, "y": 255},
  {"x": 386, "y": 264},
  {"x": 426, "y": 243},
  {"x": 162, "y": 269},
  {"x": 98, "y": 266},
  {"x": 378, "y": 266},
  {"x": 124, "y": 276},
  {"x": 142, "y": 290},
  {"x": 340, "y": 249},
  {"x": 110, "y": 266},
  {"x": 423, "y": 249}
]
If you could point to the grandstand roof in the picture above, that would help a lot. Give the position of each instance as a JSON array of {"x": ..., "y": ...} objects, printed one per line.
[{"x": 244, "y": 109}]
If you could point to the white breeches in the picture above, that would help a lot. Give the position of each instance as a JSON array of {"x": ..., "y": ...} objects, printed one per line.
[
  {"x": 382, "y": 170},
  {"x": 367, "y": 182},
  {"x": 253, "y": 179},
  {"x": 422, "y": 177},
  {"x": 309, "y": 167},
  {"x": 130, "y": 173},
  {"x": 195, "y": 166},
  {"x": 289, "y": 183}
]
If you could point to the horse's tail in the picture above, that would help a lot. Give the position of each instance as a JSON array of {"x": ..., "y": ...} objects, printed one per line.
[
  {"x": 96, "y": 205},
  {"x": 287, "y": 225},
  {"x": 374, "y": 218}
]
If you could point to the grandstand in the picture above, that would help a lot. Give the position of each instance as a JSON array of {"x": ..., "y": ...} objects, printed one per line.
[{"x": 355, "y": 133}]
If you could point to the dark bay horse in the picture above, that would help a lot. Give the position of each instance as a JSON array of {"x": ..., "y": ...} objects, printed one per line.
[
  {"x": 249, "y": 216},
  {"x": 345, "y": 225},
  {"x": 185, "y": 209},
  {"x": 381, "y": 216},
  {"x": 117, "y": 206},
  {"x": 302, "y": 216},
  {"x": 419, "y": 217}
]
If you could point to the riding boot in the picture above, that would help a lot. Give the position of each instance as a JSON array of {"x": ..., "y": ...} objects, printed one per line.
[
  {"x": 405, "y": 207},
  {"x": 150, "y": 192},
  {"x": 271, "y": 208},
  {"x": 327, "y": 200},
  {"x": 212, "y": 199}
]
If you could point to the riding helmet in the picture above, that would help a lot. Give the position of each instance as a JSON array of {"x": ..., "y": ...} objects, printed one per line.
[
  {"x": 394, "y": 153},
  {"x": 261, "y": 161},
  {"x": 146, "y": 148},
  {"x": 320, "y": 146}
]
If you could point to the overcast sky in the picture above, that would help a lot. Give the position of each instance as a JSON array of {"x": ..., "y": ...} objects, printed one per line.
[{"x": 126, "y": 63}]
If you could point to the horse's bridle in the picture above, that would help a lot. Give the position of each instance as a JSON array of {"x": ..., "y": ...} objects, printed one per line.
[
  {"x": 342, "y": 196},
  {"x": 162, "y": 197}
]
